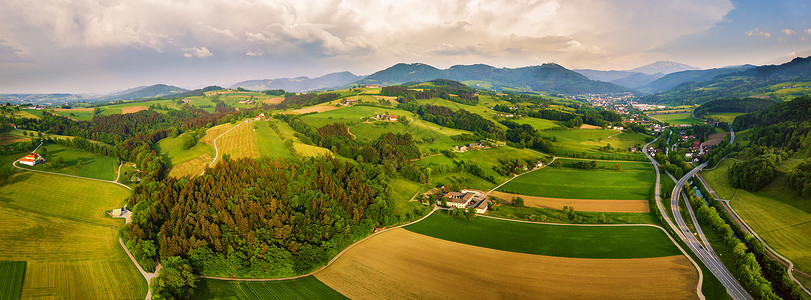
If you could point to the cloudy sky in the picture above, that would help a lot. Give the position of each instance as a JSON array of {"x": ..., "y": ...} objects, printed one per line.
[{"x": 82, "y": 46}]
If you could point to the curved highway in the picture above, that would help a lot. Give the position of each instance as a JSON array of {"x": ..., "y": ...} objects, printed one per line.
[{"x": 708, "y": 257}]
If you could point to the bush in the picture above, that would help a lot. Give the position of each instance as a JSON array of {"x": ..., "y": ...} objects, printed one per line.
[{"x": 752, "y": 174}]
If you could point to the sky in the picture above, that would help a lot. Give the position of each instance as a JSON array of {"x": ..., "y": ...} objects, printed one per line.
[{"x": 99, "y": 46}]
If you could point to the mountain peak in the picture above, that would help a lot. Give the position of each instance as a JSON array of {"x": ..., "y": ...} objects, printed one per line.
[{"x": 664, "y": 67}]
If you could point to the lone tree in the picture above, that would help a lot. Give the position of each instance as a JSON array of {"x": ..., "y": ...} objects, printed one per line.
[
  {"x": 444, "y": 202},
  {"x": 518, "y": 202}
]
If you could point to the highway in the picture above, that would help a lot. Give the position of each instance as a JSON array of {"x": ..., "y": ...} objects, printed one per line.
[{"x": 708, "y": 257}]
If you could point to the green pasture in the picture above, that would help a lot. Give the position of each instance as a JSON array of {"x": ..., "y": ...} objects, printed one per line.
[
  {"x": 77, "y": 162},
  {"x": 539, "y": 124},
  {"x": 552, "y": 240},
  {"x": 481, "y": 109},
  {"x": 559, "y": 216},
  {"x": 172, "y": 149},
  {"x": 430, "y": 139},
  {"x": 590, "y": 141},
  {"x": 28, "y": 113},
  {"x": 302, "y": 288},
  {"x": 725, "y": 117},
  {"x": 677, "y": 119},
  {"x": 352, "y": 114},
  {"x": 11, "y": 279},
  {"x": 67, "y": 259},
  {"x": 634, "y": 182},
  {"x": 65, "y": 197},
  {"x": 461, "y": 180},
  {"x": 402, "y": 190},
  {"x": 269, "y": 142},
  {"x": 78, "y": 115},
  {"x": 489, "y": 158}
]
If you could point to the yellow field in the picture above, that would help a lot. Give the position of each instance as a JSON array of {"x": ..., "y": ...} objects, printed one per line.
[
  {"x": 275, "y": 100},
  {"x": 401, "y": 264},
  {"x": 239, "y": 143},
  {"x": 25, "y": 114},
  {"x": 321, "y": 108},
  {"x": 68, "y": 259},
  {"x": 310, "y": 150},
  {"x": 192, "y": 167},
  {"x": 132, "y": 109},
  {"x": 632, "y": 206}
]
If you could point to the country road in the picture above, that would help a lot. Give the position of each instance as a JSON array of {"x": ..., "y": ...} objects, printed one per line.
[
  {"x": 217, "y": 150},
  {"x": 710, "y": 261}
]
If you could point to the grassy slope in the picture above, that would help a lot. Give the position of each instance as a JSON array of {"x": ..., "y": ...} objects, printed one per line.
[
  {"x": 270, "y": 144},
  {"x": 79, "y": 162},
  {"x": 11, "y": 279},
  {"x": 776, "y": 212},
  {"x": 406, "y": 210},
  {"x": 634, "y": 182},
  {"x": 553, "y": 240},
  {"x": 303, "y": 288},
  {"x": 172, "y": 148},
  {"x": 677, "y": 119},
  {"x": 725, "y": 117},
  {"x": 488, "y": 158},
  {"x": 590, "y": 140},
  {"x": 540, "y": 124},
  {"x": 57, "y": 224}
]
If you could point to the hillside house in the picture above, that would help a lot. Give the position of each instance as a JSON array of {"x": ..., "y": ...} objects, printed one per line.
[
  {"x": 462, "y": 148},
  {"x": 458, "y": 200},
  {"x": 482, "y": 207},
  {"x": 371, "y": 86},
  {"x": 32, "y": 159},
  {"x": 392, "y": 118},
  {"x": 506, "y": 115},
  {"x": 186, "y": 100},
  {"x": 246, "y": 101},
  {"x": 350, "y": 102}
]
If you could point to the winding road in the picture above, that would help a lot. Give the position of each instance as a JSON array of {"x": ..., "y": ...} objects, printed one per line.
[
  {"x": 710, "y": 260},
  {"x": 217, "y": 150}
]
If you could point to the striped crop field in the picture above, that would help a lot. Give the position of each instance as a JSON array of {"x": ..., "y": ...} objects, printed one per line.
[
  {"x": 11, "y": 279},
  {"x": 302, "y": 288}
]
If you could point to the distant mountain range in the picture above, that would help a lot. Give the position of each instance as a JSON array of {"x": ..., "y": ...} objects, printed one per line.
[
  {"x": 638, "y": 77},
  {"x": 778, "y": 82},
  {"x": 301, "y": 84},
  {"x": 141, "y": 92},
  {"x": 550, "y": 77}
]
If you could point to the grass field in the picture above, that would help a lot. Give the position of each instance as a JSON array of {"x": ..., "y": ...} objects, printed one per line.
[
  {"x": 725, "y": 117},
  {"x": 634, "y": 182},
  {"x": 591, "y": 140},
  {"x": 462, "y": 180},
  {"x": 777, "y": 213},
  {"x": 172, "y": 149},
  {"x": 400, "y": 264},
  {"x": 406, "y": 210},
  {"x": 70, "y": 198},
  {"x": 488, "y": 158},
  {"x": 78, "y": 162},
  {"x": 303, "y": 288},
  {"x": 12, "y": 274},
  {"x": 677, "y": 119},
  {"x": 28, "y": 114},
  {"x": 540, "y": 124},
  {"x": 270, "y": 144},
  {"x": 552, "y": 240}
]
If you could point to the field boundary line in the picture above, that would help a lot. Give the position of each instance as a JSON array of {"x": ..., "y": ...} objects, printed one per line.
[{"x": 336, "y": 257}]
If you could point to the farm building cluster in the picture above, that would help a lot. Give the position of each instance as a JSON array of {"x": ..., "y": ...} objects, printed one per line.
[
  {"x": 32, "y": 159},
  {"x": 384, "y": 117},
  {"x": 466, "y": 199},
  {"x": 472, "y": 146}
]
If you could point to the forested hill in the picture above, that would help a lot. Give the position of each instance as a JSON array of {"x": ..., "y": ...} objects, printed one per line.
[
  {"x": 143, "y": 92},
  {"x": 260, "y": 218},
  {"x": 763, "y": 81},
  {"x": 674, "y": 79},
  {"x": 733, "y": 105},
  {"x": 784, "y": 125},
  {"x": 549, "y": 77}
]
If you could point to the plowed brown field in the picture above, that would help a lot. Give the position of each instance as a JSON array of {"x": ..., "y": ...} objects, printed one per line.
[
  {"x": 401, "y": 264},
  {"x": 133, "y": 109},
  {"x": 634, "y": 206},
  {"x": 275, "y": 100}
]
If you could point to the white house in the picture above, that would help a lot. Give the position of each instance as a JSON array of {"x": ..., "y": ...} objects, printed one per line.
[
  {"x": 32, "y": 159},
  {"x": 458, "y": 200},
  {"x": 482, "y": 207}
]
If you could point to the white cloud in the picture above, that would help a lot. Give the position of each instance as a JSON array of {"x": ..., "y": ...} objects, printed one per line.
[
  {"x": 757, "y": 33},
  {"x": 197, "y": 52},
  {"x": 808, "y": 31},
  {"x": 787, "y": 31},
  {"x": 253, "y": 53}
]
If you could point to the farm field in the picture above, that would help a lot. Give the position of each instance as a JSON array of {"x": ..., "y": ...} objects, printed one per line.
[
  {"x": 78, "y": 162},
  {"x": 725, "y": 117},
  {"x": 552, "y": 240},
  {"x": 539, "y": 124},
  {"x": 8, "y": 139},
  {"x": 269, "y": 143},
  {"x": 172, "y": 149},
  {"x": 351, "y": 114},
  {"x": 632, "y": 183},
  {"x": 70, "y": 198},
  {"x": 28, "y": 114},
  {"x": 489, "y": 158},
  {"x": 591, "y": 140},
  {"x": 777, "y": 213},
  {"x": 407, "y": 210},
  {"x": 427, "y": 138},
  {"x": 11, "y": 279},
  {"x": 677, "y": 119},
  {"x": 67, "y": 259},
  {"x": 302, "y": 288},
  {"x": 401, "y": 264},
  {"x": 633, "y": 206}
]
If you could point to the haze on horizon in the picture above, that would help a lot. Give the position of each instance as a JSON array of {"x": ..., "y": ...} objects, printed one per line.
[{"x": 92, "y": 46}]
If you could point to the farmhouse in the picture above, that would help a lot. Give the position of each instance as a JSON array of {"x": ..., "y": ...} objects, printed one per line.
[
  {"x": 506, "y": 115},
  {"x": 186, "y": 100},
  {"x": 458, "y": 200},
  {"x": 462, "y": 148},
  {"x": 246, "y": 101},
  {"x": 32, "y": 159},
  {"x": 350, "y": 102},
  {"x": 371, "y": 86},
  {"x": 482, "y": 207}
]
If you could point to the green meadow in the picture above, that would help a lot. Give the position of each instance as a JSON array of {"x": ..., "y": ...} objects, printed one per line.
[
  {"x": 77, "y": 162},
  {"x": 302, "y": 288}
]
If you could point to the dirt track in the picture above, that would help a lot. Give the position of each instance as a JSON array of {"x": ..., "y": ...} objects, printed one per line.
[
  {"x": 635, "y": 206},
  {"x": 402, "y": 264}
]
